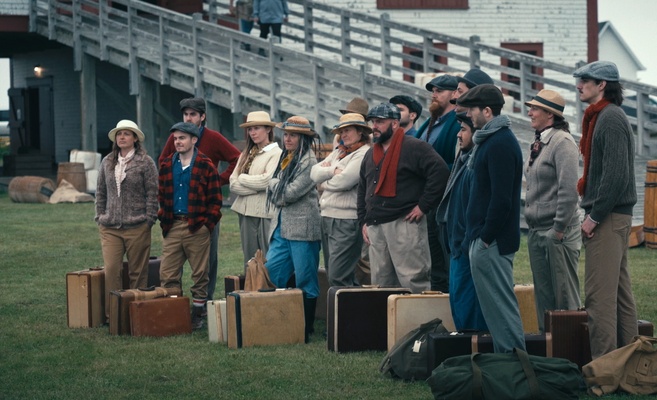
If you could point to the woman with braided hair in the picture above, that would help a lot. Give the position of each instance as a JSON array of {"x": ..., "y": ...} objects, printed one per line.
[{"x": 295, "y": 232}]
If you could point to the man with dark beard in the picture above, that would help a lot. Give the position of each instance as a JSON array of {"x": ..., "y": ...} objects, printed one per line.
[{"x": 401, "y": 180}]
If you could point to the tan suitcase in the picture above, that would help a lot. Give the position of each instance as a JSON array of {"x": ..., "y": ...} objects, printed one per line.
[
  {"x": 527, "y": 306},
  {"x": 164, "y": 316},
  {"x": 408, "y": 311},
  {"x": 265, "y": 318},
  {"x": 85, "y": 298},
  {"x": 119, "y": 315},
  {"x": 217, "y": 327}
]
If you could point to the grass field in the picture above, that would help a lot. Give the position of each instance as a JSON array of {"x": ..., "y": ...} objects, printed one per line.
[{"x": 41, "y": 358}]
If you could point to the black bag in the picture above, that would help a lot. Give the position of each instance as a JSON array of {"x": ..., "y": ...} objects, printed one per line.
[
  {"x": 407, "y": 359},
  {"x": 514, "y": 375}
]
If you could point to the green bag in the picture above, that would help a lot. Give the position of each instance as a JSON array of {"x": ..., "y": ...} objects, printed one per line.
[
  {"x": 514, "y": 375},
  {"x": 408, "y": 358}
]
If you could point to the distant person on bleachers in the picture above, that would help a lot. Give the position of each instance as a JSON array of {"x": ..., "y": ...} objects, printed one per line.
[{"x": 270, "y": 15}]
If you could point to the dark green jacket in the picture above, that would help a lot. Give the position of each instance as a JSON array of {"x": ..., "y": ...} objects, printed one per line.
[{"x": 445, "y": 145}]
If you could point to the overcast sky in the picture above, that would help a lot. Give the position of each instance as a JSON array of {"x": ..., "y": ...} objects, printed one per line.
[{"x": 633, "y": 19}]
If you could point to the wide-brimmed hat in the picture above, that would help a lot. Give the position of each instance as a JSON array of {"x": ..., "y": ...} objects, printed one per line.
[
  {"x": 548, "y": 100},
  {"x": 352, "y": 119},
  {"x": 185, "y": 127},
  {"x": 126, "y": 124},
  {"x": 258, "y": 118},
  {"x": 357, "y": 105},
  {"x": 296, "y": 124},
  {"x": 195, "y": 103}
]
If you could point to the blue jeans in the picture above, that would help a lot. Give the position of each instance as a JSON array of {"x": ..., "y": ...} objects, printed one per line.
[
  {"x": 301, "y": 257},
  {"x": 246, "y": 25},
  {"x": 466, "y": 310}
]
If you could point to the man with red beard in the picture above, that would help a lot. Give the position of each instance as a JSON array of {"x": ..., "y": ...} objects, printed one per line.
[{"x": 401, "y": 180}]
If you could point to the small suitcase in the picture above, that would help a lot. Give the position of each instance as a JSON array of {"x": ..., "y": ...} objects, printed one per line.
[
  {"x": 527, "y": 306},
  {"x": 265, "y": 318},
  {"x": 164, "y": 316},
  {"x": 567, "y": 334},
  {"x": 357, "y": 318},
  {"x": 120, "y": 300},
  {"x": 153, "y": 273},
  {"x": 320, "y": 308},
  {"x": 217, "y": 329},
  {"x": 233, "y": 283},
  {"x": 442, "y": 346},
  {"x": 85, "y": 298},
  {"x": 537, "y": 344},
  {"x": 408, "y": 311}
]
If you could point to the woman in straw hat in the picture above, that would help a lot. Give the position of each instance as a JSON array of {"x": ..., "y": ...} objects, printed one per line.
[
  {"x": 126, "y": 207},
  {"x": 250, "y": 179},
  {"x": 554, "y": 239},
  {"x": 337, "y": 177},
  {"x": 295, "y": 231}
]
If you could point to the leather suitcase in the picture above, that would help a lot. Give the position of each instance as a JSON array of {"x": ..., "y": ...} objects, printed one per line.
[
  {"x": 320, "y": 308},
  {"x": 527, "y": 306},
  {"x": 153, "y": 273},
  {"x": 85, "y": 298},
  {"x": 441, "y": 346},
  {"x": 537, "y": 344},
  {"x": 358, "y": 318},
  {"x": 217, "y": 327},
  {"x": 164, "y": 316},
  {"x": 567, "y": 334},
  {"x": 120, "y": 300},
  {"x": 408, "y": 311},
  {"x": 233, "y": 283},
  {"x": 265, "y": 318}
]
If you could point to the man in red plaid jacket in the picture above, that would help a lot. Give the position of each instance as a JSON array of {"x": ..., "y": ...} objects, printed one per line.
[{"x": 190, "y": 207}]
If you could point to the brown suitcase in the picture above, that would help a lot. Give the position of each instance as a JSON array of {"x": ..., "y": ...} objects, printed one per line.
[
  {"x": 527, "y": 307},
  {"x": 233, "y": 283},
  {"x": 537, "y": 344},
  {"x": 265, "y": 317},
  {"x": 120, "y": 300},
  {"x": 567, "y": 334},
  {"x": 153, "y": 273},
  {"x": 358, "y": 318},
  {"x": 85, "y": 298},
  {"x": 164, "y": 316}
]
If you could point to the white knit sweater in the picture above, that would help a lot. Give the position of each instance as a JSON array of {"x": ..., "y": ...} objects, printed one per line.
[{"x": 251, "y": 188}]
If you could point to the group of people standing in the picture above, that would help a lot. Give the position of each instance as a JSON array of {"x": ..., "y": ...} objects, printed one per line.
[{"x": 432, "y": 209}]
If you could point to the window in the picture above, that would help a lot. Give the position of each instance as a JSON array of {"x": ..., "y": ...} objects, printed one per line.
[
  {"x": 422, "y": 4},
  {"x": 414, "y": 51},
  {"x": 534, "y": 49}
]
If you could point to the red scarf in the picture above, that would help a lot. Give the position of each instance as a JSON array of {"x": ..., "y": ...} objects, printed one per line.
[
  {"x": 387, "y": 186},
  {"x": 588, "y": 124},
  {"x": 348, "y": 150}
]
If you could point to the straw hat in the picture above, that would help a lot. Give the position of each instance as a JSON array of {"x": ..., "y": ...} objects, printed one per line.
[
  {"x": 351, "y": 119},
  {"x": 296, "y": 124},
  {"x": 550, "y": 101},
  {"x": 357, "y": 105},
  {"x": 258, "y": 118},
  {"x": 126, "y": 124}
]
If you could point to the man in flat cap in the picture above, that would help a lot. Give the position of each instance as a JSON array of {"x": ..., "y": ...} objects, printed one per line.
[
  {"x": 472, "y": 78},
  {"x": 410, "y": 110},
  {"x": 214, "y": 145},
  {"x": 401, "y": 180},
  {"x": 493, "y": 214},
  {"x": 190, "y": 206},
  {"x": 608, "y": 193}
]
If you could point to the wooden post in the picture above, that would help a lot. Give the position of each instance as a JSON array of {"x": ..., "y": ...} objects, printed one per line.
[
  {"x": 164, "y": 53},
  {"x": 308, "y": 27},
  {"x": 88, "y": 105},
  {"x": 133, "y": 72},
  {"x": 146, "y": 114},
  {"x": 641, "y": 116},
  {"x": 102, "y": 39},
  {"x": 345, "y": 46},
  {"x": 474, "y": 51},
  {"x": 235, "y": 103},
  {"x": 198, "y": 80},
  {"x": 385, "y": 45},
  {"x": 77, "y": 41}
]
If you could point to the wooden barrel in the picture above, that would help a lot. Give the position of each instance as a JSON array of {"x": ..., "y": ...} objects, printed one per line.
[
  {"x": 30, "y": 189},
  {"x": 650, "y": 206},
  {"x": 73, "y": 172}
]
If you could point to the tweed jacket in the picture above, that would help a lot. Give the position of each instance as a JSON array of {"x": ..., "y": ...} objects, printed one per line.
[
  {"x": 138, "y": 201},
  {"x": 214, "y": 146},
  {"x": 251, "y": 188},
  {"x": 610, "y": 185},
  {"x": 204, "y": 201},
  {"x": 298, "y": 211},
  {"x": 339, "y": 192},
  {"x": 551, "y": 193}
]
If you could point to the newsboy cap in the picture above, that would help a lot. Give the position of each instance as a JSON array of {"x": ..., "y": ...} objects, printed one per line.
[
  {"x": 443, "y": 82},
  {"x": 384, "y": 111},
  {"x": 482, "y": 96},
  {"x": 412, "y": 104},
  {"x": 195, "y": 103},
  {"x": 463, "y": 118},
  {"x": 185, "y": 127},
  {"x": 599, "y": 70}
]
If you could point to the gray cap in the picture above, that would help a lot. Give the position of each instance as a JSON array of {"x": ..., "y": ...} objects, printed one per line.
[
  {"x": 482, "y": 96},
  {"x": 443, "y": 82},
  {"x": 185, "y": 127},
  {"x": 384, "y": 111},
  {"x": 475, "y": 77},
  {"x": 195, "y": 103},
  {"x": 599, "y": 70}
]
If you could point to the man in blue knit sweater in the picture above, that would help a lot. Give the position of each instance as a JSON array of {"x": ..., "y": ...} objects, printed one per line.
[{"x": 493, "y": 214}]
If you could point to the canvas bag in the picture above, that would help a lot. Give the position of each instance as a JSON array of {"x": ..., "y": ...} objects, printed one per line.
[
  {"x": 516, "y": 375},
  {"x": 408, "y": 358},
  {"x": 257, "y": 276},
  {"x": 632, "y": 368}
]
